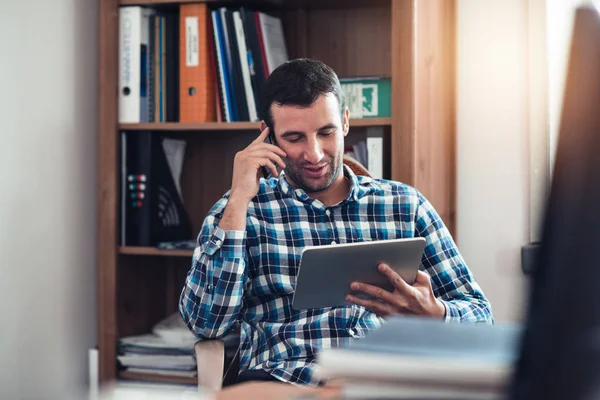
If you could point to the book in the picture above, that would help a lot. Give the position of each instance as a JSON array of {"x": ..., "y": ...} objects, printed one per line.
[
  {"x": 196, "y": 91},
  {"x": 368, "y": 97},
  {"x": 134, "y": 37},
  {"x": 273, "y": 39}
]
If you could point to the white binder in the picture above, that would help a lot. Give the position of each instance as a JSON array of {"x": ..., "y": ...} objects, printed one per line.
[{"x": 134, "y": 30}]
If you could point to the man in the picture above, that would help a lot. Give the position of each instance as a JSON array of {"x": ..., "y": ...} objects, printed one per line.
[{"x": 246, "y": 260}]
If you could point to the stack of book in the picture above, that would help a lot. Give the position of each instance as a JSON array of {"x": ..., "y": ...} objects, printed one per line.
[
  {"x": 414, "y": 357},
  {"x": 167, "y": 350},
  {"x": 369, "y": 152},
  {"x": 189, "y": 63}
]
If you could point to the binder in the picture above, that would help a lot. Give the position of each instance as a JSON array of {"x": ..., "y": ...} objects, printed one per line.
[
  {"x": 134, "y": 39},
  {"x": 215, "y": 75},
  {"x": 172, "y": 66},
  {"x": 257, "y": 71},
  {"x": 196, "y": 91},
  {"x": 245, "y": 60},
  {"x": 159, "y": 78},
  {"x": 152, "y": 209},
  {"x": 221, "y": 59},
  {"x": 224, "y": 40},
  {"x": 236, "y": 68},
  {"x": 274, "y": 41}
]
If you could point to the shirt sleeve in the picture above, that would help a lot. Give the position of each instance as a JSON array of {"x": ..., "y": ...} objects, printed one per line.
[
  {"x": 212, "y": 298},
  {"x": 451, "y": 279}
]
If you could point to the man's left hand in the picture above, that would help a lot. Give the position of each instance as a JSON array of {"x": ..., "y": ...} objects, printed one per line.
[{"x": 417, "y": 299}]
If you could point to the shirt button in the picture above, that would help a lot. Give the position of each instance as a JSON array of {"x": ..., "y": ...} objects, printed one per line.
[
  {"x": 209, "y": 288},
  {"x": 218, "y": 242},
  {"x": 333, "y": 242},
  {"x": 328, "y": 212},
  {"x": 298, "y": 192}
]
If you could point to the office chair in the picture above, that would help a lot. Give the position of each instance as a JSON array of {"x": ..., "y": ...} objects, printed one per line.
[{"x": 210, "y": 354}]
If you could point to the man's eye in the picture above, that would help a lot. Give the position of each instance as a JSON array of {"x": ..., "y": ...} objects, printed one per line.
[
  {"x": 327, "y": 133},
  {"x": 294, "y": 140}
]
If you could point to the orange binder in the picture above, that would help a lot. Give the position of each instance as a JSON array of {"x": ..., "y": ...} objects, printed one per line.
[{"x": 196, "y": 90}]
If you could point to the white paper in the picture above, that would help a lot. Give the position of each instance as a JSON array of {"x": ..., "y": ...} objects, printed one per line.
[{"x": 175, "y": 152}]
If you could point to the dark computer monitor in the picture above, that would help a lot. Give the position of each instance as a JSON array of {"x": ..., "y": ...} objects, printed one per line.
[{"x": 560, "y": 353}]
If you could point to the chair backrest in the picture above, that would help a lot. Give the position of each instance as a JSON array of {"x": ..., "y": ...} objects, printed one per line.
[{"x": 355, "y": 166}]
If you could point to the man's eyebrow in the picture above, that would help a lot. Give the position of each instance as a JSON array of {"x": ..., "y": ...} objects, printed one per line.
[
  {"x": 291, "y": 133},
  {"x": 294, "y": 133},
  {"x": 327, "y": 127}
]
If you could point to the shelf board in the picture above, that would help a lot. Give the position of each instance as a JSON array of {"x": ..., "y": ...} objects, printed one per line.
[
  {"x": 279, "y": 3},
  {"x": 137, "y": 376},
  {"x": 367, "y": 122},
  {"x": 231, "y": 126},
  {"x": 220, "y": 2},
  {"x": 184, "y": 126},
  {"x": 153, "y": 251}
]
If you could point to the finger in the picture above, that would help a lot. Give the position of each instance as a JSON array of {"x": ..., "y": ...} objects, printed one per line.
[
  {"x": 381, "y": 309},
  {"x": 374, "y": 291},
  {"x": 267, "y": 146},
  {"x": 423, "y": 279},
  {"x": 265, "y": 162},
  {"x": 395, "y": 279},
  {"x": 263, "y": 135},
  {"x": 275, "y": 149},
  {"x": 267, "y": 154}
]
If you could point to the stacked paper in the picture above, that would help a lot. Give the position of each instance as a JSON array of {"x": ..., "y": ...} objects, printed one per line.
[
  {"x": 410, "y": 357},
  {"x": 168, "y": 350}
]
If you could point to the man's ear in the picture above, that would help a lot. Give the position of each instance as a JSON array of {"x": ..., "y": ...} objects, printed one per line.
[
  {"x": 346, "y": 121},
  {"x": 263, "y": 125}
]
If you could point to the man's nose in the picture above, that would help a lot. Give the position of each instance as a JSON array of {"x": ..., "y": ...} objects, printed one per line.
[{"x": 313, "y": 152}]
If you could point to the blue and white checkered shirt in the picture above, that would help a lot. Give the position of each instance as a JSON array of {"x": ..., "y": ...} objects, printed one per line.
[{"x": 248, "y": 277}]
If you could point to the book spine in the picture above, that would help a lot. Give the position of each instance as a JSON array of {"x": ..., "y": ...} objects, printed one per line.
[
  {"x": 144, "y": 65},
  {"x": 222, "y": 63},
  {"x": 130, "y": 41},
  {"x": 236, "y": 71},
  {"x": 245, "y": 61},
  {"x": 172, "y": 67},
  {"x": 257, "y": 72},
  {"x": 226, "y": 48},
  {"x": 151, "y": 71},
  {"x": 375, "y": 152}
]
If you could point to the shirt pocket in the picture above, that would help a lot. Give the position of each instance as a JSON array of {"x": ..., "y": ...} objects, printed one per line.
[{"x": 276, "y": 275}]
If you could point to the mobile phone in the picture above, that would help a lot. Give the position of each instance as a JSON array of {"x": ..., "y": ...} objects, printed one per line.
[{"x": 266, "y": 171}]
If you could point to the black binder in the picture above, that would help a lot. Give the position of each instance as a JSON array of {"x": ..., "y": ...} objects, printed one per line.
[{"x": 151, "y": 209}]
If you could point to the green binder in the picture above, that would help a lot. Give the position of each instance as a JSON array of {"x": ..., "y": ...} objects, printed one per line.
[{"x": 368, "y": 97}]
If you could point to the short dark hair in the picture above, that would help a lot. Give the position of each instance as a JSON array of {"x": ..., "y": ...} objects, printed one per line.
[{"x": 299, "y": 83}]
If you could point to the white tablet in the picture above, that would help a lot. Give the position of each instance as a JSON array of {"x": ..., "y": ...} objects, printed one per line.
[{"x": 325, "y": 272}]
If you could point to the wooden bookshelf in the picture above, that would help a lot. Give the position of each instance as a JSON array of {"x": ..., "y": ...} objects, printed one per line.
[
  {"x": 137, "y": 376},
  {"x": 412, "y": 42},
  {"x": 153, "y": 251}
]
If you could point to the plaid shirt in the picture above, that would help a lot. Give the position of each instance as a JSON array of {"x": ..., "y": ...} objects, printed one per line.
[{"x": 248, "y": 277}]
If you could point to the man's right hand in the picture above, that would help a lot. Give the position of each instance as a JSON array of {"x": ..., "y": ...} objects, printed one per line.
[{"x": 248, "y": 163}]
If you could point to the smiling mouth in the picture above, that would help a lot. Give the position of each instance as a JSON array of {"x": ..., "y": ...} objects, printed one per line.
[{"x": 315, "y": 172}]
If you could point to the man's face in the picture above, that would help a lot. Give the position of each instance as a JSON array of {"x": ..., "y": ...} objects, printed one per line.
[{"x": 313, "y": 139}]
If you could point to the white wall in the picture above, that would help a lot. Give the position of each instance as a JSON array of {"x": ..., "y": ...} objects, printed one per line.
[
  {"x": 493, "y": 148},
  {"x": 48, "y": 78}
]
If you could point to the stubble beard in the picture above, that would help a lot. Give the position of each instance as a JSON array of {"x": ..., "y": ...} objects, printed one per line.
[{"x": 294, "y": 172}]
